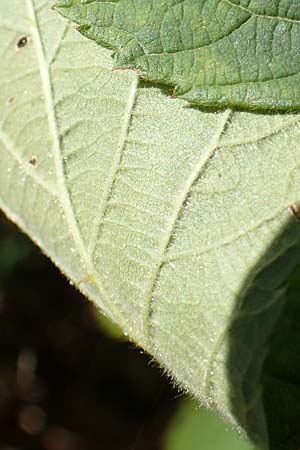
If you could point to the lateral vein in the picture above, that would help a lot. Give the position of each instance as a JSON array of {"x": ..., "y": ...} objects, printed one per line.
[
  {"x": 115, "y": 165},
  {"x": 263, "y": 16},
  {"x": 177, "y": 210}
]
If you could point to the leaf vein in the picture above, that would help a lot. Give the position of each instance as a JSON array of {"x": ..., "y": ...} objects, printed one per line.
[
  {"x": 29, "y": 171},
  {"x": 178, "y": 207},
  {"x": 197, "y": 252},
  {"x": 58, "y": 160},
  {"x": 264, "y": 16},
  {"x": 115, "y": 165}
]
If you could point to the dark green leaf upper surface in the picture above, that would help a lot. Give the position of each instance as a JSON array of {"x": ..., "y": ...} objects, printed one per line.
[{"x": 215, "y": 53}]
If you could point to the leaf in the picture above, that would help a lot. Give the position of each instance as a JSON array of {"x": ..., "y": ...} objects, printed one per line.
[
  {"x": 181, "y": 225},
  {"x": 217, "y": 53},
  {"x": 194, "y": 429}
]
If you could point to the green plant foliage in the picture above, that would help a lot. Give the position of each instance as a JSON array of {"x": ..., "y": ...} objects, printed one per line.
[
  {"x": 193, "y": 428},
  {"x": 216, "y": 53},
  {"x": 181, "y": 225},
  {"x": 281, "y": 374}
]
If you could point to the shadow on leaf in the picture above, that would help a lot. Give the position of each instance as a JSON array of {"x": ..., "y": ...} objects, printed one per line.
[{"x": 264, "y": 347}]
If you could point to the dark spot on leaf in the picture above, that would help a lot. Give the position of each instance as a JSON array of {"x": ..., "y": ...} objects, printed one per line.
[
  {"x": 33, "y": 160},
  {"x": 9, "y": 101},
  {"x": 22, "y": 41}
]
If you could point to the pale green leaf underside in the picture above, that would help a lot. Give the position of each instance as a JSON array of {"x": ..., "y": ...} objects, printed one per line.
[
  {"x": 172, "y": 220},
  {"x": 216, "y": 53}
]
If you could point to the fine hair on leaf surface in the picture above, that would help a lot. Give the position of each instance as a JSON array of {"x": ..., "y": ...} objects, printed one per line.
[{"x": 179, "y": 222}]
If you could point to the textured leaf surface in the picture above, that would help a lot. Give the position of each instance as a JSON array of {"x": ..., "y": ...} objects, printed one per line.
[
  {"x": 215, "y": 52},
  {"x": 181, "y": 225}
]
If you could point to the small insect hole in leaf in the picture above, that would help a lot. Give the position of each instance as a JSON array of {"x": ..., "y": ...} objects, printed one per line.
[
  {"x": 22, "y": 42},
  {"x": 33, "y": 160}
]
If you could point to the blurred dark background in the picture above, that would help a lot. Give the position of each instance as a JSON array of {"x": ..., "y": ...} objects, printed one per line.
[{"x": 69, "y": 380}]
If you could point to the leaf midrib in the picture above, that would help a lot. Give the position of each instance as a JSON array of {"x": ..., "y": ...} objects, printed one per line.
[{"x": 63, "y": 192}]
